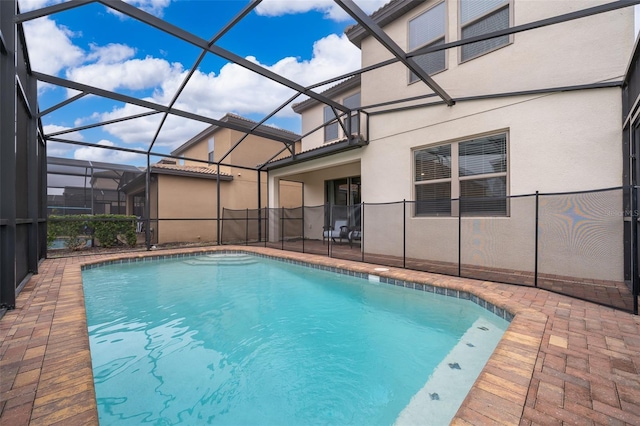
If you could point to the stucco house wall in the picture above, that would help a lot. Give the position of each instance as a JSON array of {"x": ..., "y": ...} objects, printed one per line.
[
  {"x": 581, "y": 51},
  {"x": 557, "y": 141},
  {"x": 175, "y": 203}
]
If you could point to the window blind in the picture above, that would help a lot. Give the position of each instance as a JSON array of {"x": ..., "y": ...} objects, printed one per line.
[
  {"x": 431, "y": 63},
  {"x": 433, "y": 163},
  {"x": 483, "y": 156},
  {"x": 427, "y": 27},
  {"x": 484, "y": 196},
  {"x": 494, "y": 22},
  {"x": 433, "y": 199},
  {"x": 472, "y": 9}
]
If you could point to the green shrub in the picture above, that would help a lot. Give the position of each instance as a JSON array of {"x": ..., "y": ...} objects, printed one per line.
[
  {"x": 71, "y": 227},
  {"x": 106, "y": 228}
]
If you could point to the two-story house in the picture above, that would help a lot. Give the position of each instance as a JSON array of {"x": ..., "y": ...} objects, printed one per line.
[
  {"x": 184, "y": 198},
  {"x": 538, "y": 110}
]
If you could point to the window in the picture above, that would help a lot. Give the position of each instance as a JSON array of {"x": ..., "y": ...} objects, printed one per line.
[
  {"x": 433, "y": 180},
  {"x": 342, "y": 201},
  {"x": 473, "y": 171},
  {"x": 330, "y": 130},
  {"x": 353, "y": 102},
  {"x": 481, "y": 17},
  {"x": 427, "y": 30},
  {"x": 211, "y": 147}
]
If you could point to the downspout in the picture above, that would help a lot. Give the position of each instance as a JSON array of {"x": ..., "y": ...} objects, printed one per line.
[
  {"x": 260, "y": 204},
  {"x": 147, "y": 205},
  {"x": 218, "y": 204}
]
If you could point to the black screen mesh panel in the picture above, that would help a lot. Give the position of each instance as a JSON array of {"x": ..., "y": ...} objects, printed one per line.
[{"x": 581, "y": 246}]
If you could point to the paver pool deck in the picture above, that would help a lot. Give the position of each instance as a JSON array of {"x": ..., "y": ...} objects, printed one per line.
[{"x": 561, "y": 361}]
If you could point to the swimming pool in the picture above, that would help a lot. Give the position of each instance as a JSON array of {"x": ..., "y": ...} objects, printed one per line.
[{"x": 236, "y": 339}]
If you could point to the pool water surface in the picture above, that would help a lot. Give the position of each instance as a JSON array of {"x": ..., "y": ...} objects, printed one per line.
[{"x": 238, "y": 339}]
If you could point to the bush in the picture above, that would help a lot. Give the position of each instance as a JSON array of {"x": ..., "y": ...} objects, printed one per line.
[
  {"x": 71, "y": 228},
  {"x": 105, "y": 227}
]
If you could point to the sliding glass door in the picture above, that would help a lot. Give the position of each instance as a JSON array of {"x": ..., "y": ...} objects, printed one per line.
[{"x": 342, "y": 201}]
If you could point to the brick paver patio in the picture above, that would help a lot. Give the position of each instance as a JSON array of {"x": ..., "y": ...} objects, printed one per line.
[{"x": 561, "y": 361}]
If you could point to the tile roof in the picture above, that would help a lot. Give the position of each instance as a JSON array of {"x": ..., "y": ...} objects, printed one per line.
[
  {"x": 203, "y": 170},
  {"x": 264, "y": 130}
]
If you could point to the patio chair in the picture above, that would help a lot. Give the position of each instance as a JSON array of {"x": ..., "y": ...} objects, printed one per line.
[
  {"x": 339, "y": 230},
  {"x": 355, "y": 235}
]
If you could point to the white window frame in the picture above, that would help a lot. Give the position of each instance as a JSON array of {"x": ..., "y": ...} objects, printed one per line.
[
  {"x": 411, "y": 77},
  {"x": 455, "y": 177},
  {"x": 507, "y": 4}
]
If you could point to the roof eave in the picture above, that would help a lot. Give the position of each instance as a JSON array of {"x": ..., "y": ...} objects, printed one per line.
[
  {"x": 263, "y": 131},
  {"x": 336, "y": 148},
  {"x": 349, "y": 84},
  {"x": 383, "y": 16}
]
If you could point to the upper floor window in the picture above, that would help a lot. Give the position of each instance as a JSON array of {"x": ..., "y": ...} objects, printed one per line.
[
  {"x": 472, "y": 171},
  {"x": 353, "y": 102},
  {"x": 427, "y": 30},
  {"x": 211, "y": 146},
  {"x": 481, "y": 17},
  {"x": 332, "y": 131}
]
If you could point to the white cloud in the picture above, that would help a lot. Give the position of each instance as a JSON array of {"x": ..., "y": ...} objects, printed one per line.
[
  {"x": 234, "y": 89},
  {"x": 90, "y": 153},
  {"x": 154, "y": 7},
  {"x": 133, "y": 74},
  {"x": 111, "y": 53},
  {"x": 28, "y": 5},
  {"x": 330, "y": 9},
  {"x": 50, "y": 46},
  {"x": 175, "y": 131},
  {"x": 53, "y": 128},
  {"x": 60, "y": 149}
]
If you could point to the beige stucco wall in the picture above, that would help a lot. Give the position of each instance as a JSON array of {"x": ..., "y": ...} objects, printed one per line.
[
  {"x": 253, "y": 150},
  {"x": 186, "y": 197},
  {"x": 581, "y": 51},
  {"x": 556, "y": 142},
  {"x": 559, "y": 142},
  {"x": 197, "y": 151},
  {"x": 291, "y": 194},
  {"x": 196, "y": 198}
]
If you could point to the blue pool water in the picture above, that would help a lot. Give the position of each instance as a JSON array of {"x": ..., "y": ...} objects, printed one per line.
[
  {"x": 240, "y": 340},
  {"x": 60, "y": 243}
]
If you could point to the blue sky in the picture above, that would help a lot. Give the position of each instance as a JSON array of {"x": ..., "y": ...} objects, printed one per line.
[{"x": 302, "y": 40}]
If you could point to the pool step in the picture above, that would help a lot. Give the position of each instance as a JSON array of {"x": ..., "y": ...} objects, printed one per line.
[{"x": 222, "y": 259}]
